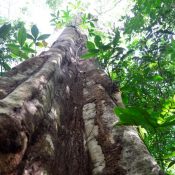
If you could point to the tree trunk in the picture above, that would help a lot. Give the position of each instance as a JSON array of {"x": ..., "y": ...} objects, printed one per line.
[{"x": 56, "y": 118}]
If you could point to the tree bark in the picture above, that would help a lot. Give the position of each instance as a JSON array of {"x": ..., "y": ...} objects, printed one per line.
[{"x": 56, "y": 118}]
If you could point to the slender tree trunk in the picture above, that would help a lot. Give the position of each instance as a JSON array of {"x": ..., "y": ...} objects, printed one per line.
[{"x": 56, "y": 118}]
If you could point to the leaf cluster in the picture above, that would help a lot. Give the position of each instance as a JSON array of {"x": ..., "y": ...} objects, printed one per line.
[{"x": 16, "y": 44}]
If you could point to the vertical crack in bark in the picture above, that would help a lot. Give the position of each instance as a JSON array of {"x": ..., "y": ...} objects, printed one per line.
[{"x": 71, "y": 156}]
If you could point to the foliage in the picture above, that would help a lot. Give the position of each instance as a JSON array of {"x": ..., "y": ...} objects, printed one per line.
[
  {"x": 155, "y": 128},
  {"x": 73, "y": 12},
  {"x": 61, "y": 18},
  {"x": 144, "y": 69},
  {"x": 15, "y": 45},
  {"x": 151, "y": 34},
  {"x": 53, "y": 4},
  {"x": 19, "y": 48},
  {"x": 4, "y": 32},
  {"x": 38, "y": 40}
]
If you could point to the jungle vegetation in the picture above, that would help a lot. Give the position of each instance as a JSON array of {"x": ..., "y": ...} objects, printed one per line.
[{"x": 138, "y": 55}]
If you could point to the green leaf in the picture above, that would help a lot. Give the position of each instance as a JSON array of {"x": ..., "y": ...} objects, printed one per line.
[
  {"x": 89, "y": 55},
  {"x": 22, "y": 35},
  {"x": 116, "y": 38},
  {"x": 28, "y": 50},
  {"x": 142, "y": 132},
  {"x": 90, "y": 45},
  {"x": 30, "y": 37},
  {"x": 15, "y": 49},
  {"x": 39, "y": 44},
  {"x": 91, "y": 24},
  {"x": 35, "y": 31},
  {"x": 97, "y": 41},
  {"x": 6, "y": 66},
  {"x": 106, "y": 47},
  {"x": 66, "y": 15},
  {"x": 43, "y": 37},
  {"x": 135, "y": 116},
  {"x": 157, "y": 78},
  {"x": 171, "y": 163},
  {"x": 169, "y": 122},
  {"x": 53, "y": 15},
  {"x": 13, "y": 46},
  {"x": 170, "y": 155},
  {"x": 84, "y": 18},
  {"x": 58, "y": 13},
  {"x": 134, "y": 24},
  {"x": 4, "y": 30}
]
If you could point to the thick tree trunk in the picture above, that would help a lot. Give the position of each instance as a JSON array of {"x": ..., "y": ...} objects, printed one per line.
[{"x": 56, "y": 118}]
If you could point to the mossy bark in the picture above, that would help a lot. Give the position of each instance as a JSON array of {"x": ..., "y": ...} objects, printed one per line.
[{"x": 56, "y": 118}]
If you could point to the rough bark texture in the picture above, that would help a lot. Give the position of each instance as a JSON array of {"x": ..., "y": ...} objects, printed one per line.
[{"x": 56, "y": 118}]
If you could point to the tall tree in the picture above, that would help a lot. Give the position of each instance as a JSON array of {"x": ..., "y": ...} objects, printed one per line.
[{"x": 56, "y": 118}]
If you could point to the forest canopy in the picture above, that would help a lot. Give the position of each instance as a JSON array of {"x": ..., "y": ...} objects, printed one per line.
[{"x": 132, "y": 41}]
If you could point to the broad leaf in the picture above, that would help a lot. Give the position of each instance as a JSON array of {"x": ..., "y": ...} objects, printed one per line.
[
  {"x": 43, "y": 37},
  {"x": 35, "y": 31},
  {"x": 22, "y": 35},
  {"x": 106, "y": 47},
  {"x": 157, "y": 78},
  {"x": 90, "y": 45},
  {"x": 6, "y": 66},
  {"x": 15, "y": 49},
  {"x": 171, "y": 163},
  {"x": 91, "y": 24},
  {"x": 89, "y": 55},
  {"x": 4, "y": 30},
  {"x": 30, "y": 37},
  {"x": 98, "y": 41},
  {"x": 135, "y": 116},
  {"x": 28, "y": 50},
  {"x": 13, "y": 46}
]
